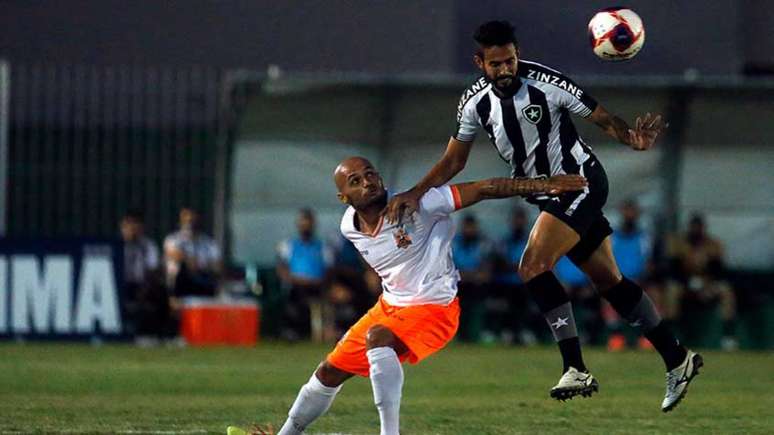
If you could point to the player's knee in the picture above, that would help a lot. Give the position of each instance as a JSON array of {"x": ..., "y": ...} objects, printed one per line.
[
  {"x": 380, "y": 336},
  {"x": 531, "y": 267},
  {"x": 329, "y": 375}
]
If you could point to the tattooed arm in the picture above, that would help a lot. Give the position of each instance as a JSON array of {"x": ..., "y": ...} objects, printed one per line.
[
  {"x": 641, "y": 137},
  {"x": 473, "y": 192}
]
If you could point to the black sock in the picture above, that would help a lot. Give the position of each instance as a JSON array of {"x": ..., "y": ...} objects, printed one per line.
[
  {"x": 571, "y": 354},
  {"x": 667, "y": 345},
  {"x": 553, "y": 302},
  {"x": 634, "y": 305},
  {"x": 624, "y": 297}
]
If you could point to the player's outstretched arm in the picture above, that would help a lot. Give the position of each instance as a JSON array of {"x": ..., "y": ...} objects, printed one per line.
[
  {"x": 641, "y": 138},
  {"x": 452, "y": 162},
  {"x": 492, "y": 188}
]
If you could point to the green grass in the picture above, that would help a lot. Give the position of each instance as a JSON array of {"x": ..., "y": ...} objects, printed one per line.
[{"x": 462, "y": 390}]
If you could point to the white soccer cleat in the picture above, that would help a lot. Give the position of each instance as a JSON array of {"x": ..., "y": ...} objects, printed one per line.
[
  {"x": 573, "y": 383},
  {"x": 677, "y": 380}
]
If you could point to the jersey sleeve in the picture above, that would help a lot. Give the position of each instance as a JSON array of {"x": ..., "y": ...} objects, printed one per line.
[
  {"x": 467, "y": 121},
  {"x": 440, "y": 201},
  {"x": 577, "y": 101}
]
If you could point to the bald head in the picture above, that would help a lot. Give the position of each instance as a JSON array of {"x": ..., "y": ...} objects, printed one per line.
[
  {"x": 347, "y": 167},
  {"x": 358, "y": 183}
]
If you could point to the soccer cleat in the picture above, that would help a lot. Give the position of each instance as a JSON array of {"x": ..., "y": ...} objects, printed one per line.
[
  {"x": 233, "y": 430},
  {"x": 677, "y": 380},
  {"x": 573, "y": 383}
]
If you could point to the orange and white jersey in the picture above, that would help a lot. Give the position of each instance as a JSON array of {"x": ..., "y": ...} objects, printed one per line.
[{"x": 414, "y": 258}]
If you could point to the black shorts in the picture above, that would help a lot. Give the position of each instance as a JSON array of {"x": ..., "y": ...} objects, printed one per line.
[{"x": 582, "y": 211}]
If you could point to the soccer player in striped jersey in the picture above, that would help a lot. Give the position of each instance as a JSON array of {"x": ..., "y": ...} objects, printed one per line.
[
  {"x": 417, "y": 313},
  {"x": 525, "y": 108}
]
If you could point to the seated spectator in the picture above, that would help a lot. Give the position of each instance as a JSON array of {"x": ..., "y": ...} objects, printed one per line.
[
  {"x": 303, "y": 266},
  {"x": 193, "y": 259},
  {"x": 146, "y": 300},
  {"x": 521, "y": 320},
  {"x": 472, "y": 256},
  {"x": 349, "y": 295},
  {"x": 699, "y": 282}
]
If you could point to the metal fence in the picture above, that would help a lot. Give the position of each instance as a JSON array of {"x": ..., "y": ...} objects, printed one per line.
[{"x": 87, "y": 143}]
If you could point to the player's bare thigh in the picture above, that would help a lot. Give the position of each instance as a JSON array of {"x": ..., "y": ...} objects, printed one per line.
[
  {"x": 548, "y": 241},
  {"x": 601, "y": 267},
  {"x": 381, "y": 336}
]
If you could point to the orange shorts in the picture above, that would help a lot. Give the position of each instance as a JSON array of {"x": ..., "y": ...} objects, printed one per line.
[{"x": 424, "y": 329}]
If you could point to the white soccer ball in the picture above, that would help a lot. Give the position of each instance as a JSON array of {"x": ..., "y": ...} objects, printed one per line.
[{"x": 616, "y": 34}]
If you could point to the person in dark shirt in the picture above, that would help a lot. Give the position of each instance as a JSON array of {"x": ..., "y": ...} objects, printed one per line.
[
  {"x": 303, "y": 266},
  {"x": 472, "y": 256},
  {"x": 147, "y": 305},
  {"x": 522, "y": 321},
  {"x": 699, "y": 281},
  {"x": 349, "y": 294}
]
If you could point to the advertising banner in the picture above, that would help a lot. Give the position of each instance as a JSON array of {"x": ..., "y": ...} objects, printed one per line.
[{"x": 60, "y": 288}]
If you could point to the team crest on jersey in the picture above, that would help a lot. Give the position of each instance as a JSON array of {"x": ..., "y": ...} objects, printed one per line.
[
  {"x": 402, "y": 237},
  {"x": 532, "y": 113}
]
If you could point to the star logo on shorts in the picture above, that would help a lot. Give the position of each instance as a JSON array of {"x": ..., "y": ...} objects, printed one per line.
[
  {"x": 560, "y": 322},
  {"x": 402, "y": 238},
  {"x": 533, "y": 113}
]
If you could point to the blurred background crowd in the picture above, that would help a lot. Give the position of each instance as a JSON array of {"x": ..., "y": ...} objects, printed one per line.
[{"x": 321, "y": 285}]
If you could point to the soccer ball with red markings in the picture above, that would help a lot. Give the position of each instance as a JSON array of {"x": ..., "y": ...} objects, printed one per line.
[{"x": 616, "y": 34}]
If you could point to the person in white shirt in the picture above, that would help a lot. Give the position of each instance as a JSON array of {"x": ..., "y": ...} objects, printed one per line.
[
  {"x": 418, "y": 312},
  {"x": 193, "y": 259}
]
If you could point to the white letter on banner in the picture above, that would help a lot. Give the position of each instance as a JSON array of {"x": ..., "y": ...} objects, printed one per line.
[
  {"x": 97, "y": 296},
  {"x": 3, "y": 294},
  {"x": 51, "y": 292}
]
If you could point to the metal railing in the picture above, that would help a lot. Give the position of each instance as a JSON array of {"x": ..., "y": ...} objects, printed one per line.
[{"x": 86, "y": 143}]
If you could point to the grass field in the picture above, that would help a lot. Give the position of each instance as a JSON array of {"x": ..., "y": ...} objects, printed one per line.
[{"x": 52, "y": 388}]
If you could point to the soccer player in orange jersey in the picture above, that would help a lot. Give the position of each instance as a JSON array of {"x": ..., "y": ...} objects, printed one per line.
[{"x": 417, "y": 313}]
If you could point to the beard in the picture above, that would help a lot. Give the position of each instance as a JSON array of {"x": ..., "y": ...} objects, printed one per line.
[
  {"x": 504, "y": 83},
  {"x": 379, "y": 199}
]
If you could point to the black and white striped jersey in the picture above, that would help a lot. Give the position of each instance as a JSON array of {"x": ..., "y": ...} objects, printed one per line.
[{"x": 531, "y": 129}]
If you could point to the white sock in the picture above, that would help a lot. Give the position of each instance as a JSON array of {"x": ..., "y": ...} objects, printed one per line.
[
  {"x": 312, "y": 401},
  {"x": 387, "y": 382}
]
